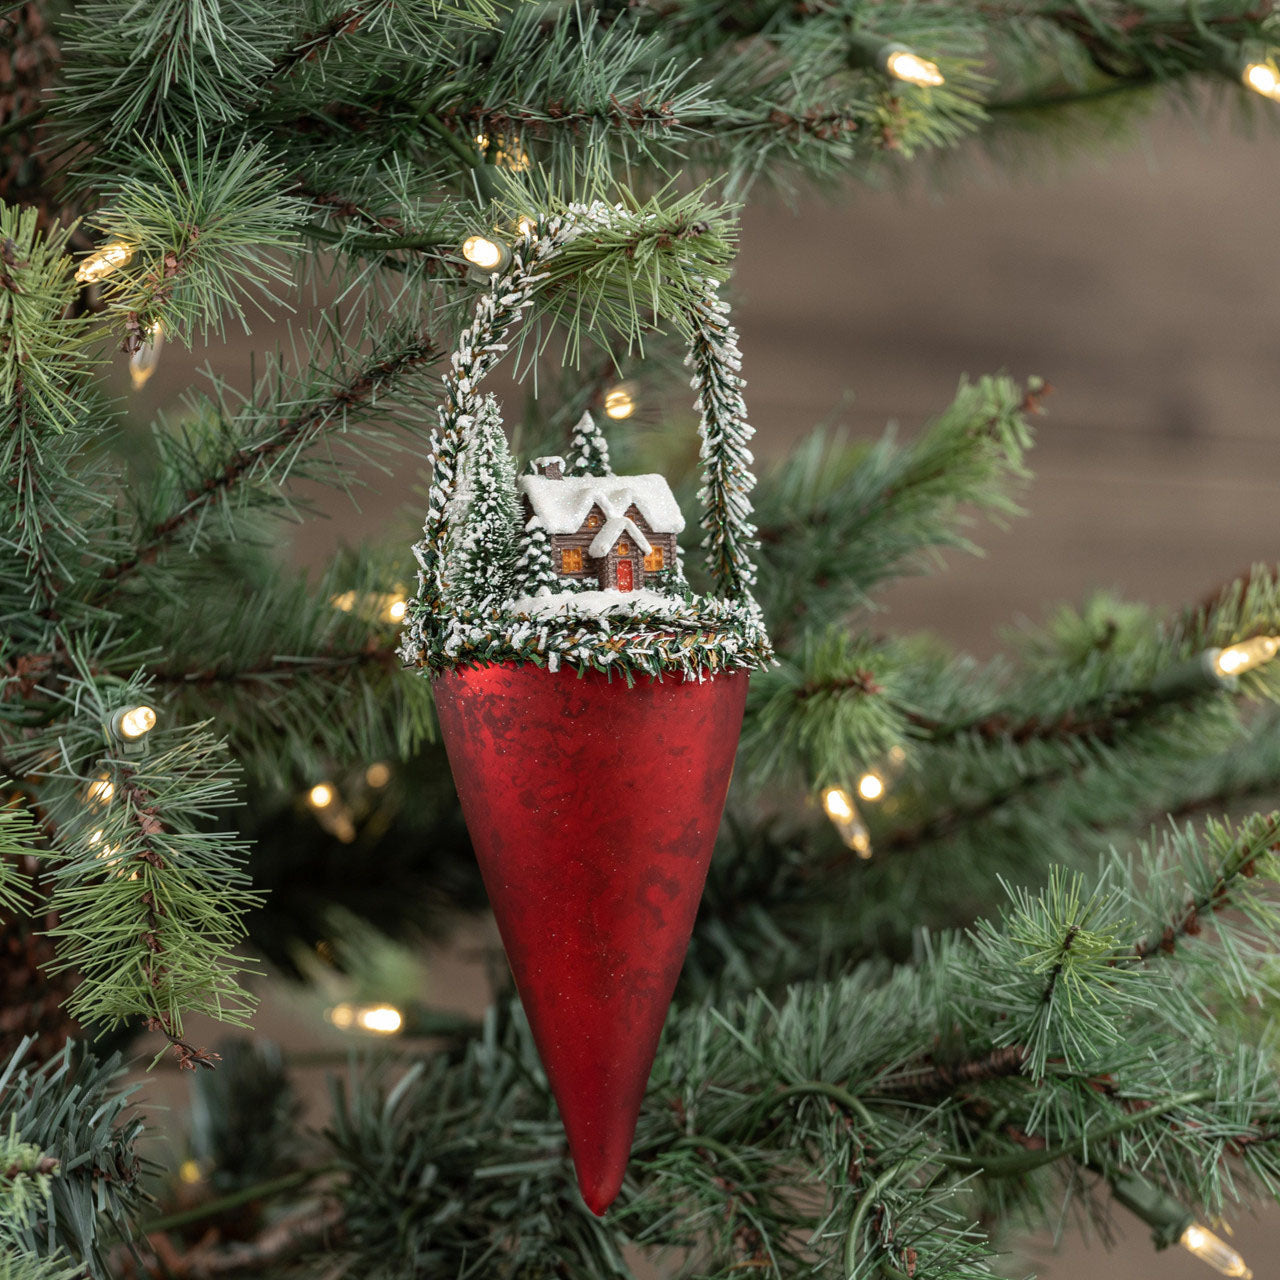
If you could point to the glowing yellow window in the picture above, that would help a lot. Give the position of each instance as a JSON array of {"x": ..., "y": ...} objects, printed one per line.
[
  {"x": 593, "y": 521},
  {"x": 571, "y": 560},
  {"x": 653, "y": 561},
  {"x": 624, "y": 547}
]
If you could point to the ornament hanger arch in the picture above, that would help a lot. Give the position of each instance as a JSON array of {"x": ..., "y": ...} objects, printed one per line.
[{"x": 715, "y": 362}]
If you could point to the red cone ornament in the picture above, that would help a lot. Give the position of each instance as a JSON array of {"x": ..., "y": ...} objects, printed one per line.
[
  {"x": 593, "y": 807},
  {"x": 592, "y": 802}
]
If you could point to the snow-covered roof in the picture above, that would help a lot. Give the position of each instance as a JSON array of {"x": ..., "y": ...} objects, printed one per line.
[
  {"x": 562, "y": 505},
  {"x": 613, "y": 529}
]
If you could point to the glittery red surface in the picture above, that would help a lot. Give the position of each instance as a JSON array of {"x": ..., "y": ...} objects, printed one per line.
[{"x": 593, "y": 808}]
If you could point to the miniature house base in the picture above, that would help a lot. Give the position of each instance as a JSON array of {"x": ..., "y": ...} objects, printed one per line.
[{"x": 593, "y": 807}]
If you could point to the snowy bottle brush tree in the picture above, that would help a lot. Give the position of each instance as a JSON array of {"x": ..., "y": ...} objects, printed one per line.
[
  {"x": 871, "y": 1069},
  {"x": 481, "y": 556}
]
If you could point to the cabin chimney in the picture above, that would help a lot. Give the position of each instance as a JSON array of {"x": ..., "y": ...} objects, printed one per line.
[{"x": 552, "y": 468}]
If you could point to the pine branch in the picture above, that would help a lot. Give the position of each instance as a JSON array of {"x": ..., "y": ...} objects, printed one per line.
[
  {"x": 73, "y": 1110},
  {"x": 297, "y": 1235},
  {"x": 315, "y": 44},
  {"x": 255, "y": 459},
  {"x": 283, "y": 670},
  {"x": 206, "y": 228},
  {"x": 945, "y": 1078},
  {"x": 1240, "y": 863}
]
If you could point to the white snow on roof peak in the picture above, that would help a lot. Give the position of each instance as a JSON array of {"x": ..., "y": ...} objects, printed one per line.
[
  {"x": 563, "y": 505},
  {"x": 613, "y": 529}
]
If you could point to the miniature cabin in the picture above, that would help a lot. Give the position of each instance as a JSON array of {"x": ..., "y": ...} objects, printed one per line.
[{"x": 618, "y": 531}]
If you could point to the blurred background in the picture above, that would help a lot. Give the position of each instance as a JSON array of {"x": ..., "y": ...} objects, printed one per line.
[{"x": 1144, "y": 286}]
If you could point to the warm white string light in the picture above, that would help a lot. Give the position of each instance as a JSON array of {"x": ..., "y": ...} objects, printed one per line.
[
  {"x": 144, "y": 362},
  {"x": 504, "y": 154},
  {"x": 385, "y": 606},
  {"x": 620, "y": 401},
  {"x": 102, "y": 262},
  {"x": 1244, "y": 655},
  {"x": 1263, "y": 78},
  {"x": 488, "y": 255},
  {"x": 133, "y": 723},
  {"x": 100, "y": 790},
  {"x": 321, "y": 796},
  {"x": 905, "y": 65},
  {"x": 378, "y": 774},
  {"x": 381, "y": 1019},
  {"x": 843, "y": 812},
  {"x": 331, "y": 811},
  {"x": 871, "y": 786},
  {"x": 1203, "y": 1244}
]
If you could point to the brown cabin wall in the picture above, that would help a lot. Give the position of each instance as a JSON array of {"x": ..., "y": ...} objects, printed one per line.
[{"x": 605, "y": 571}]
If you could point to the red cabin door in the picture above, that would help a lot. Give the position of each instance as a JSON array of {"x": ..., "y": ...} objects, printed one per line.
[{"x": 624, "y": 576}]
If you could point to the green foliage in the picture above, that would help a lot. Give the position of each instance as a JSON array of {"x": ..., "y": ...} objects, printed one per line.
[
  {"x": 39, "y": 340},
  {"x": 19, "y": 836},
  {"x": 26, "y": 1267},
  {"x": 502, "y": 1207},
  {"x": 825, "y": 712},
  {"x": 169, "y": 66},
  {"x": 24, "y": 1181},
  {"x": 244, "y": 1117},
  {"x": 72, "y": 1111},
  {"x": 208, "y": 229},
  {"x": 772, "y": 1133},
  {"x": 898, "y": 505},
  {"x": 1065, "y": 992},
  {"x": 149, "y": 900},
  {"x": 652, "y": 259}
]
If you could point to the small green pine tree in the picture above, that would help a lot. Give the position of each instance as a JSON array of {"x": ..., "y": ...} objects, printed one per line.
[
  {"x": 588, "y": 450},
  {"x": 534, "y": 569},
  {"x": 484, "y": 517}
]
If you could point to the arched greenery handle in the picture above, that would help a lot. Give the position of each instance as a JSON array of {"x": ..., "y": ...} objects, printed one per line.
[{"x": 715, "y": 361}]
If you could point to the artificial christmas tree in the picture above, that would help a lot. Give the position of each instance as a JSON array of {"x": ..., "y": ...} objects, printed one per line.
[{"x": 945, "y": 984}]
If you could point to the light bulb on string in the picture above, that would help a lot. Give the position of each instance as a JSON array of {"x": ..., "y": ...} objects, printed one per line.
[
  {"x": 144, "y": 362},
  {"x": 503, "y": 153},
  {"x": 320, "y": 796},
  {"x": 377, "y": 775},
  {"x": 1263, "y": 78},
  {"x": 331, "y": 811},
  {"x": 903, "y": 64},
  {"x": 1203, "y": 1244},
  {"x": 381, "y": 1019},
  {"x": 102, "y": 262},
  {"x": 620, "y": 401},
  {"x": 871, "y": 786},
  {"x": 133, "y": 723},
  {"x": 1245, "y": 655},
  {"x": 488, "y": 255},
  {"x": 839, "y": 806},
  {"x": 100, "y": 790},
  {"x": 383, "y": 606}
]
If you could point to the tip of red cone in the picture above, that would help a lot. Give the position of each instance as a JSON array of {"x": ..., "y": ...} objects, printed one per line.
[{"x": 599, "y": 1195}]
